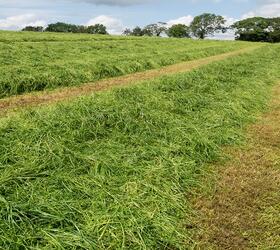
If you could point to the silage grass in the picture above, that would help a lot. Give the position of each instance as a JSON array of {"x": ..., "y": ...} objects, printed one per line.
[
  {"x": 34, "y": 61},
  {"x": 114, "y": 170}
]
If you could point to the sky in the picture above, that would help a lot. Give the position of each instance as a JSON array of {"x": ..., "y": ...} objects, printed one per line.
[{"x": 117, "y": 15}]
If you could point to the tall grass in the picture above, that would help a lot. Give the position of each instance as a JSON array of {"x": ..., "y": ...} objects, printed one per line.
[
  {"x": 114, "y": 170},
  {"x": 31, "y": 62}
]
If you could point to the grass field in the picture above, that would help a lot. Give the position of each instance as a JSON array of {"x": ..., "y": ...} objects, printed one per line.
[
  {"x": 114, "y": 170},
  {"x": 31, "y": 62}
]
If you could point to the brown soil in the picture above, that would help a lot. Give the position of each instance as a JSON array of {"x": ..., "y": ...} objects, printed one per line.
[
  {"x": 244, "y": 211},
  {"x": 46, "y": 97}
]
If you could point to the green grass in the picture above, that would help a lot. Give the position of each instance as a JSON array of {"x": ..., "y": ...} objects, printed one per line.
[
  {"x": 114, "y": 170},
  {"x": 34, "y": 61}
]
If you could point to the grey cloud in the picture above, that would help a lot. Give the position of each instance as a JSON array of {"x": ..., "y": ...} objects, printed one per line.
[
  {"x": 115, "y": 2},
  {"x": 96, "y": 2}
]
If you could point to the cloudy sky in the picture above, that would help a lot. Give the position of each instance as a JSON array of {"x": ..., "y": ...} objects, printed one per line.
[{"x": 119, "y": 14}]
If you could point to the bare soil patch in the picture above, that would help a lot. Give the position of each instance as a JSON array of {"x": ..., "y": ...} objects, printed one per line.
[{"x": 244, "y": 210}]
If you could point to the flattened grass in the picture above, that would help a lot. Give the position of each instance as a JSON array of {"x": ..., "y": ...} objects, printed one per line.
[
  {"x": 114, "y": 170},
  {"x": 32, "y": 62}
]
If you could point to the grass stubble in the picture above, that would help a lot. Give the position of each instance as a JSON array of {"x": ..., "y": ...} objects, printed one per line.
[
  {"x": 242, "y": 211},
  {"x": 115, "y": 170}
]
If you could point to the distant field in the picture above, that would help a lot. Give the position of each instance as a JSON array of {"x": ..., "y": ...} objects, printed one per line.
[
  {"x": 114, "y": 170},
  {"x": 34, "y": 61}
]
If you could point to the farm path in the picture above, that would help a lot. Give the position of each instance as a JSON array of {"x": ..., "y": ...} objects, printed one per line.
[
  {"x": 244, "y": 211},
  {"x": 47, "y": 97}
]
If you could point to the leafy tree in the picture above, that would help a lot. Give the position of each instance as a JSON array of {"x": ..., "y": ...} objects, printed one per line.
[
  {"x": 147, "y": 31},
  {"x": 255, "y": 24},
  {"x": 179, "y": 31},
  {"x": 34, "y": 28},
  {"x": 258, "y": 29},
  {"x": 137, "y": 31},
  {"x": 207, "y": 24},
  {"x": 61, "y": 27},
  {"x": 65, "y": 27},
  {"x": 275, "y": 23},
  {"x": 274, "y": 37},
  {"x": 97, "y": 29},
  {"x": 155, "y": 29},
  {"x": 127, "y": 32},
  {"x": 80, "y": 29}
]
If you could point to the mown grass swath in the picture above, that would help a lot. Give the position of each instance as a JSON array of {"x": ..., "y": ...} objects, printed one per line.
[
  {"x": 32, "y": 62},
  {"x": 113, "y": 170}
]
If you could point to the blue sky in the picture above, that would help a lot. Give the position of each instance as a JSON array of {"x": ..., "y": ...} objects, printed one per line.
[{"x": 119, "y": 14}]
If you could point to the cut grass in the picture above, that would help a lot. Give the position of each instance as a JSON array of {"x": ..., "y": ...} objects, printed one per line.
[
  {"x": 16, "y": 103},
  {"x": 113, "y": 170},
  {"x": 32, "y": 62}
]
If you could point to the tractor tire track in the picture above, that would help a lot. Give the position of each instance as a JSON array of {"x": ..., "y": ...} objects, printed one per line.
[
  {"x": 244, "y": 209},
  {"x": 47, "y": 97}
]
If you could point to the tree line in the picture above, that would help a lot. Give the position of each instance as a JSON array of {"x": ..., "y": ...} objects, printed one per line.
[
  {"x": 69, "y": 28},
  {"x": 202, "y": 26},
  {"x": 257, "y": 29}
]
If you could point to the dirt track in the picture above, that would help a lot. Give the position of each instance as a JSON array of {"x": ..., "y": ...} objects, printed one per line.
[
  {"x": 46, "y": 97},
  {"x": 244, "y": 212}
]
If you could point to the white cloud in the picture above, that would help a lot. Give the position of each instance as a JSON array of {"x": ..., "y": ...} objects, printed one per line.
[
  {"x": 114, "y": 25},
  {"x": 230, "y": 20},
  {"x": 268, "y": 8},
  {"x": 181, "y": 20},
  {"x": 229, "y": 35},
  {"x": 20, "y": 21}
]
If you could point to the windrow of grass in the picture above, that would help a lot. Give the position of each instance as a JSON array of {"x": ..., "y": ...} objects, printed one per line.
[
  {"x": 113, "y": 170},
  {"x": 67, "y": 60}
]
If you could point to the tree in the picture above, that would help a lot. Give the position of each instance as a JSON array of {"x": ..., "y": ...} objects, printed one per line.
[
  {"x": 258, "y": 29},
  {"x": 147, "y": 31},
  {"x": 33, "y": 28},
  {"x": 127, "y": 32},
  {"x": 255, "y": 24},
  {"x": 207, "y": 24},
  {"x": 65, "y": 27},
  {"x": 97, "y": 29},
  {"x": 155, "y": 29},
  {"x": 80, "y": 29},
  {"x": 137, "y": 31},
  {"x": 179, "y": 31},
  {"x": 62, "y": 27},
  {"x": 274, "y": 37},
  {"x": 275, "y": 23}
]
